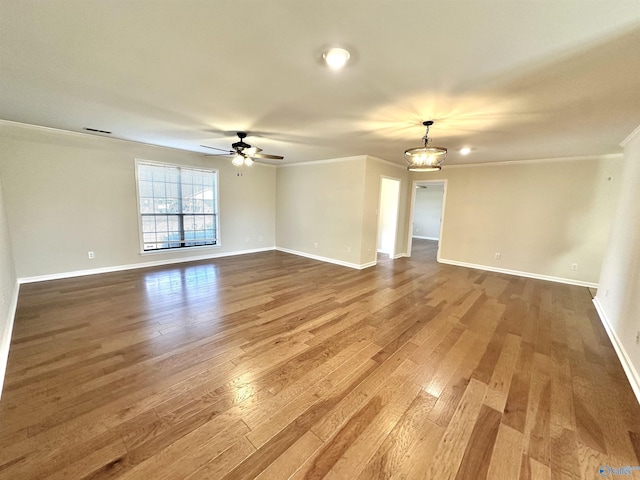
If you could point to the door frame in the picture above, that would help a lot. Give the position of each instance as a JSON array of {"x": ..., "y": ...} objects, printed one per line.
[
  {"x": 392, "y": 255},
  {"x": 414, "y": 188}
]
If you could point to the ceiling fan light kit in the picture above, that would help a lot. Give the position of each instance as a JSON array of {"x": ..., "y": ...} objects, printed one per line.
[{"x": 426, "y": 158}]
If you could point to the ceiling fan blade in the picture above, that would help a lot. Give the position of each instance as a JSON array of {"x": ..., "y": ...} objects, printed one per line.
[
  {"x": 252, "y": 151},
  {"x": 216, "y": 148},
  {"x": 218, "y": 154},
  {"x": 264, "y": 155}
]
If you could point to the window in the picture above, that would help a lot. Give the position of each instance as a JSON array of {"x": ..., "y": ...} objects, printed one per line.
[{"x": 178, "y": 206}]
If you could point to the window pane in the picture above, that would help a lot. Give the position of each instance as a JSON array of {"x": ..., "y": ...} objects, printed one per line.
[
  {"x": 187, "y": 190},
  {"x": 159, "y": 190},
  {"x": 177, "y": 205},
  {"x": 158, "y": 174},
  {"x": 173, "y": 205},
  {"x": 160, "y": 205},
  {"x": 172, "y": 190},
  {"x": 144, "y": 172},
  {"x": 172, "y": 175},
  {"x": 149, "y": 225},
  {"x": 146, "y": 205},
  {"x": 187, "y": 205},
  {"x": 146, "y": 189}
]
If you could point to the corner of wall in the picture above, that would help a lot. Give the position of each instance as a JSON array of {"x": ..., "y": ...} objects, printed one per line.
[
  {"x": 632, "y": 374},
  {"x": 5, "y": 335}
]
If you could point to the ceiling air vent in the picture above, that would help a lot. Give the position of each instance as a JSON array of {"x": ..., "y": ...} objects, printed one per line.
[{"x": 96, "y": 130}]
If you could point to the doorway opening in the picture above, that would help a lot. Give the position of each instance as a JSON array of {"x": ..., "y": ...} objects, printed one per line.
[
  {"x": 427, "y": 218},
  {"x": 388, "y": 216}
]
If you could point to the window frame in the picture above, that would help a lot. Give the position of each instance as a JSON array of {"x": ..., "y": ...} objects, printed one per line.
[{"x": 216, "y": 214}]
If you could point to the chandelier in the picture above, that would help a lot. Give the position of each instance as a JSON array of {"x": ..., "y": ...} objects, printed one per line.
[{"x": 425, "y": 158}]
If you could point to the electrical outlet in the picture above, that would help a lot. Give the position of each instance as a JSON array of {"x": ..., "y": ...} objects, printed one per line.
[
  {"x": 348, "y": 249},
  {"x": 91, "y": 255},
  {"x": 4, "y": 301},
  {"x": 498, "y": 256},
  {"x": 315, "y": 244},
  {"x": 638, "y": 338},
  {"x": 574, "y": 267}
]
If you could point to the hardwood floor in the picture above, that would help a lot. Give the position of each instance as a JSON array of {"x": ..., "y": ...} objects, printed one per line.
[{"x": 273, "y": 366}]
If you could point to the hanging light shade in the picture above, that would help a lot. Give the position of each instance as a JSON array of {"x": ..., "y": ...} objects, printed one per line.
[{"x": 426, "y": 158}]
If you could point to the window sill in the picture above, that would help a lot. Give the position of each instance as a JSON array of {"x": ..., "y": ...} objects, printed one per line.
[{"x": 183, "y": 249}]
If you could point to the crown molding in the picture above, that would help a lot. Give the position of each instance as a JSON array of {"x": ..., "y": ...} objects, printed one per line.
[
  {"x": 319, "y": 162},
  {"x": 630, "y": 137},
  {"x": 604, "y": 156},
  {"x": 84, "y": 135}
]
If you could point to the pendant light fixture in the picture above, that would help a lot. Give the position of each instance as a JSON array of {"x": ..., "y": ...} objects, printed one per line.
[{"x": 425, "y": 158}]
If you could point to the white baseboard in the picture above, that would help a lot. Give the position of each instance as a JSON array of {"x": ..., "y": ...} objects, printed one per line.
[
  {"x": 395, "y": 256},
  {"x": 119, "y": 268},
  {"x": 5, "y": 341},
  {"x": 518, "y": 273},
  {"x": 629, "y": 369},
  {"x": 358, "y": 266},
  {"x": 424, "y": 238}
]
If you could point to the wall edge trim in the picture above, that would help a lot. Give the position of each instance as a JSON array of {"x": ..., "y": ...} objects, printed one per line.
[
  {"x": 320, "y": 162},
  {"x": 357, "y": 266},
  {"x": 5, "y": 341},
  {"x": 630, "y": 137},
  {"x": 603, "y": 156},
  {"x": 632, "y": 374},
  {"x": 133, "y": 266},
  {"x": 519, "y": 273},
  {"x": 387, "y": 162}
]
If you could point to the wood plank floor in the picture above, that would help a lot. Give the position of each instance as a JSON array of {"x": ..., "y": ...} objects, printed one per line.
[{"x": 273, "y": 366}]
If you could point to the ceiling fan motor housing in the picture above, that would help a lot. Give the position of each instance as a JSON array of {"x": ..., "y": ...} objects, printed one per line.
[{"x": 240, "y": 145}]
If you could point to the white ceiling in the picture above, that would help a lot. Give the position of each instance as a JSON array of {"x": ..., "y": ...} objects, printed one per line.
[{"x": 512, "y": 79}]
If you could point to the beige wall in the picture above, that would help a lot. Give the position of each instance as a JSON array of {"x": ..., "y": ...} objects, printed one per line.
[
  {"x": 334, "y": 203},
  {"x": 542, "y": 217},
  {"x": 427, "y": 212},
  {"x": 319, "y": 208},
  {"x": 66, "y": 194},
  {"x": 618, "y": 295}
]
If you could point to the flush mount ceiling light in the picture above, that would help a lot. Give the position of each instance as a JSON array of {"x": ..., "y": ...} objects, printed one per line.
[
  {"x": 336, "y": 58},
  {"x": 465, "y": 151},
  {"x": 425, "y": 158}
]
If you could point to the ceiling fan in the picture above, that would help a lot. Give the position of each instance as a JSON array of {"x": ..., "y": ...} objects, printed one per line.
[{"x": 243, "y": 153}]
